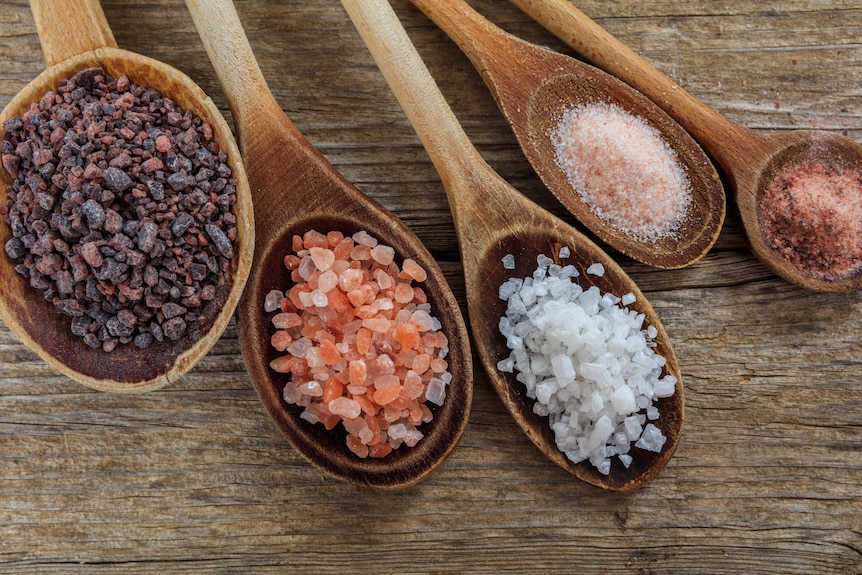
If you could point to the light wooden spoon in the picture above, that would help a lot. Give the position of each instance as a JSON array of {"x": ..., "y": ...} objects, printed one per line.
[
  {"x": 296, "y": 189},
  {"x": 493, "y": 220},
  {"x": 749, "y": 160},
  {"x": 75, "y": 35},
  {"x": 533, "y": 86}
]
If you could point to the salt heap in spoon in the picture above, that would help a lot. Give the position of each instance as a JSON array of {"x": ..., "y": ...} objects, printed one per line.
[{"x": 588, "y": 362}]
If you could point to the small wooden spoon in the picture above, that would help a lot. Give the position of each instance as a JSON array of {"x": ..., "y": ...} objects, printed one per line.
[
  {"x": 296, "y": 189},
  {"x": 492, "y": 220},
  {"x": 533, "y": 86},
  {"x": 749, "y": 160},
  {"x": 75, "y": 35}
]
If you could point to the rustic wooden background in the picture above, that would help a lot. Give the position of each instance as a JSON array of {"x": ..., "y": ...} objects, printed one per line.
[{"x": 195, "y": 478}]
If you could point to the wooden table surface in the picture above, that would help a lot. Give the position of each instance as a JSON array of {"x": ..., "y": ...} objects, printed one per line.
[{"x": 195, "y": 478}]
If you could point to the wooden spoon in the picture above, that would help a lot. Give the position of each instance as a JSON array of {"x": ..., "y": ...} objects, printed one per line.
[
  {"x": 533, "y": 86},
  {"x": 296, "y": 189},
  {"x": 493, "y": 220},
  {"x": 749, "y": 160},
  {"x": 75, "y": 35}
]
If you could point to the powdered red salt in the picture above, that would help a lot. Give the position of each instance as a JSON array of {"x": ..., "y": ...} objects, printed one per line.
[
  {"x": 812, "y": 215},
  {"x": 362, "y": 346},
  {"x": 623, "y": 170}
]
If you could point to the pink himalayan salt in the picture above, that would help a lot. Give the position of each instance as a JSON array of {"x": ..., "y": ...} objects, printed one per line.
[
  {"x": 623, "y": 170},
  {"x": 812, "y": 215},
  {"x": 372, "y": 354}
]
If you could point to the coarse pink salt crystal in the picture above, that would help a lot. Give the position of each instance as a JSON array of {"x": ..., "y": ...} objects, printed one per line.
[
  {"x": 361, "y": 342},
  {"x": 414, "y": 270},
  {"x": 350, "y": 279},
  {"x": 327, "y": 281},
  {"x": 286, "y": 320},
  {"x": 360, "y": 252},
  {"x": 383, "y": 279},
  {"x": 378, "y": 324},
  {"x": 313, "y": 239},
  {"x": 358, "y": 372},
  {"x": 357, "y": 447},
  {"x": 323, "y": 258},
  {"x": 280, "y": 340},
  {"x": 382, "y": 254},
  {"x": 623, "y": 170},
  {"x": 345, "y": 407},
  {"x": 421, "y": 363},
  {"x": 422, "y": 319},
  {"x": 364, "y": 238}
]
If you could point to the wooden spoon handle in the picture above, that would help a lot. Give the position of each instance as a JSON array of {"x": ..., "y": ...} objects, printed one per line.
[
  {"x": 425, "y": 106},
  {"x": 68, "y": 28},
  {"x": 486, "y": 45},
  {"x": 241, "y": 78},
  {"x": 710, "y": 129}
]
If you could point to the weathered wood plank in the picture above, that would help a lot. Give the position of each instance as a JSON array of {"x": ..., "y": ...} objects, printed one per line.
[{"x": 195, "y": 479}]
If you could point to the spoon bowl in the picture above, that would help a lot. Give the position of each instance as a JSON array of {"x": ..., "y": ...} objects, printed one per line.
[
  {"x": 748, "y": 160},
  {"x": 534, "y": 86},
  {"x": 74, "y": 36},
  {"x": 296, "y": 189},
  {"x": 493, "y": 220}
]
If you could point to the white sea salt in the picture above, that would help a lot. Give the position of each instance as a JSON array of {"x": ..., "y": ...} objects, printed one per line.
[
  {"x": 509, "y": 262},
  {"x": 588, "y": 362}
]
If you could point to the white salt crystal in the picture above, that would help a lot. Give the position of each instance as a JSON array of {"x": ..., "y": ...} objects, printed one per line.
[
  {"x": 652, "y": 439},
  {"x": 413, "y": 436},
  {"x": 397, "y": 431},
  {"x": 632, "y": 427},
  {"x": 436, "y": 391},
  {"x": 508, "y": 262},
  {"x": 565, "y": 252},
  {"x": 309, "y": 417},
  {"x": 665, "y": 387},
  {"x": 563, "y": 369},
  {"x": 601, "y": 432},
  {"x": 273, "y": 301},
  {"x": 596, "y": 269},
  {"x": 584, "y": 359},
  {"x": 291, "y": 394},
  {"x": 623, "y": 400},
  {"x": 319, "y": 298},
  {"x": 629, "y": 299},
  {"x": 299, "y": 347},
  {"x": 544, "y": 261}
]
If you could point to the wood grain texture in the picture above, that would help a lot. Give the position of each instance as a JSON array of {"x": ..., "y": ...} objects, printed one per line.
[{"x": 195, "y": 479}]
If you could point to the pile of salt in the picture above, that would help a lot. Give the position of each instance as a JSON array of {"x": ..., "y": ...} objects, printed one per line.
[{"x": 587, "y": 360}]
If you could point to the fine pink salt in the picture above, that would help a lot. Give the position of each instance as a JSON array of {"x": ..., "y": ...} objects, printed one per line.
[
  {"x": 812, "y": 215},
  {"x": 623, "y": 170},
  {"x": 361, "y": 344}
]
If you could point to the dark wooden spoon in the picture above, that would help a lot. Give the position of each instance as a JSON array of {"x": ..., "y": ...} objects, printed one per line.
[
  {"x": 493, "y": 220},
  {"x": 533, "y": 86},
  {"x": 75, "y": 35},
  {"x": 296, "y": 189},
  {"x": 749, "y": 160}
]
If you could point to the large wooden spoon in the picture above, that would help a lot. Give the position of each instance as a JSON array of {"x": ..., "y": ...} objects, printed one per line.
[
  {"x": 750, "y": 161},
  {"x": 74, "y": 36},
  {"x": 296, "y": 189},
  {"x": 493, "y": 220},
  {"x": 533, "y": 86}
]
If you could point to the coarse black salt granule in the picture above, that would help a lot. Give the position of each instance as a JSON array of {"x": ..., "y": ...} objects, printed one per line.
[{"x": 119, "y": 209}]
